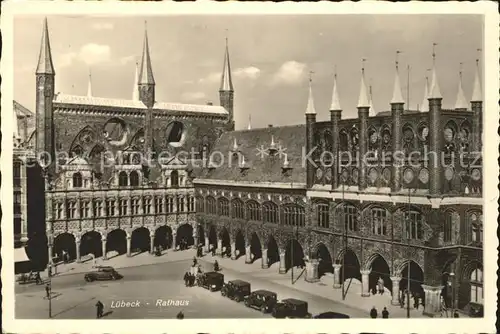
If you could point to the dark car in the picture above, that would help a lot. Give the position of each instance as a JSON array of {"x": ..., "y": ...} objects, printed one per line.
[
  {"x": 263, "y": 300},
  {"x": 331, "y": 315},
  {"x": 212, "y": 281},
  {"x": 236, "y": 290},
  {"x": 102, "y": 274},
  {"x": 291, "y": 308}
]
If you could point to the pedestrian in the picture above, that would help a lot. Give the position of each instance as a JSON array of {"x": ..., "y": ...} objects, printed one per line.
[
  {"x": 380, "y": 285},
  {"x": 186, "y": 278},
  {"x": 385, "y": 313},
  {"x": 38, "y": 278},
  {"x": 47, "y": 290},
  {"x": 455, "y": 314},
  {"x": 373, "y": 313},
  {"x": 444, "y": 310},
  {"x": 416, "y": 301},
  {"x": 100, "y": 308},
  {"x": 403, "y": 295},
  {"x": 213, "y": 251},
  {"x": 195, "y": 261},
  {"x": 180, "y": 315}
]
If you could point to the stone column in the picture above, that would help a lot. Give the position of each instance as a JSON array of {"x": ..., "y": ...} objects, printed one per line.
[
  {"x": 77, "y": 243},
  {"x": 336, "y": 276},
  {"x": 233, "y": 251},
  {"x": 265, "y": 262},
  {"x": 207, "y": 245},
  {"x": 248, "y": 254},
  {"x": 432, "y": 300},
  {"x": 312, "y": 271},
  {"x": 365, "y": 291},
  {"x": 174, "y": 239},
  {"x": 103, "y": 245},
  {"x": 129, "y": 239},
  {"x": 151, "y": 243},
  {"x": 219, "y": 248},
  {"x": 50, "y": 254},
  {"x": 282, "y": 269},
  {"x": 395, "y": 290}
]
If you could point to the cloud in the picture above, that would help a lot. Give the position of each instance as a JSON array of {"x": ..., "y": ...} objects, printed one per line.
[
  {"x": 290, "y": 73},
  {"x": 102, "y": 26},
  {"x": 90, "y": 54},
  {"x": 127, "y": 59},
  {"x": 193, "y": 96},
  {"x": 211, "y": 78},
  {"x": 247, "y": 73}
]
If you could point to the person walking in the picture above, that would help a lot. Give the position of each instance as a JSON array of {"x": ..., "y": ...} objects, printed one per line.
[
  {"x": 47, "y": 290},
  {"x": 180, "y": 315},
  {"x": 99, "y": 308},
  {"x": 373, "y": 313},
  {"x": 385, "y": 313},
  {"x": 380, "y": 285},
  {"x": 416, "y": 301}
]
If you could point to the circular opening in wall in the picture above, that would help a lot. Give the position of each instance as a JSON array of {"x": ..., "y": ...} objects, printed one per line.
[{"x": 176, "y": 134}]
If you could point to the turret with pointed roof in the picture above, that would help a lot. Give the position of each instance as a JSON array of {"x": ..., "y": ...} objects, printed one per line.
[
  {"x": 310, "y": 109},
  {"x": 335, "y": 105},
  {"x": 435, "y": 132},
  {"x": 477, "y": 111},
  {"x": 425, "y": 104},
  {"x": 335, "y": 116},
  {"x": 146, "y": 78},
  {"x": 372, "y": 108},
  {"x": 461, "y": 103},
  {"x": 363, "y": 112},
  {"x": 45, "y": 80},
  {"x": 397, "y": 107},
  {"x": 226, "y": 90},
  {"x": 363, "y": 101},
  {"x": 477, "y": 95},
  {"x": 310, "y": 128},
  {"x": 89, "y": 86}
]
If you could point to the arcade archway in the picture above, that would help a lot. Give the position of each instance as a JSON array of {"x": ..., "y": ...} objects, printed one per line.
[
  {"x": 184, "y": 236},
  {"x": 350, "y": 266},
  {"x": 117, "y": 241},
  {"x": 65, "y": 244},
  {"x": 273, "y": 251},
  {"x": 163, "y": 237},
  {"x": 91, "y": 244},
  {"x": 212, "y": 238},
  {"x": 140, "y": 240},
  {"x": 325, "y": 260},
  {"x": 379, "y": 271},
  {"x": 294, "y": 255},
  {"x": 255, "y": 247},
  {"x": 240, "y": 244},
  {"x": 416, "y": 278},
  {"x": 226, "y": 242}
]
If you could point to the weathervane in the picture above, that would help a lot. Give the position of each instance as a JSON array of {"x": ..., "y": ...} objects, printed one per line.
[
  {"x": 434, "y": 52},
  {"x": 397, "y": 58}
]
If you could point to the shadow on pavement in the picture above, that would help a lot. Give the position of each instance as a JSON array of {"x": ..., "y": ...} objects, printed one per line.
[{"x": 72, "y": 307}]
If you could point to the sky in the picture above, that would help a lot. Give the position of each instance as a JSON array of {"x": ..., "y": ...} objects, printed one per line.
[{"x": 271, "y": 58}]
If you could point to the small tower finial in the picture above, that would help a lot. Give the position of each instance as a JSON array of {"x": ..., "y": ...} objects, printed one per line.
[
  {"x": 89, "y": 87},
  {"x": 363, "y": 101},
  {"x": 461, "y": 103},
  {"x": 477, "y": 95},
  {"x": 310, "y": 102},
  {"x": 434, "y": 53}
]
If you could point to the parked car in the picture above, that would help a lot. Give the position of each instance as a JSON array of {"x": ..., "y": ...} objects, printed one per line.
[
  {"x": 331, "y": 315},
  {"x": 212, "y": 281},
  {"x": 102, "y": 274},
  {"x": 262, "y": 300},
  {"x": 291, "y": 308},
  {"x": 236, "y": 290}
]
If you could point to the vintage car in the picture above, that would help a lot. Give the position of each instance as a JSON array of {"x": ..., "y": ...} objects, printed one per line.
[
  {"x": 291, "y": 308},
  {"x": 212, "y": 281},
  {"x": 236, "y": 290},
  {"x": 262, "y": 300},
  {"x": 102, "y": 274},
  {"x": 331, "y": 315}
]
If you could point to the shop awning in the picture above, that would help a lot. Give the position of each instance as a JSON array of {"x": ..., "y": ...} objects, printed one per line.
[{"x": 20, "y": 255}]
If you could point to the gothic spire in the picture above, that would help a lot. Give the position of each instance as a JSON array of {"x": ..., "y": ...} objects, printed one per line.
[
  {"x": 249, "y": 122},
  {"x": 397, "y": 95},
  {"x": 372, "y": 111},
  {"x": 146, "y": 73},
  {"x": 226, "y": 82},
  {"x": 45, "y": 65},
  {"x": 363, "y": 101},
  {"x": 135, "y": 91},
  {"x": 435, "y": 92},
  {"x": 425, "y": 104},
  {"x": 335, "y": 95},
  {"x": 461, "y": 103},
  {"x": 89, "y": 86},
  {"x": 310, "y": 102},
  {"x": 477, "y": 95}
]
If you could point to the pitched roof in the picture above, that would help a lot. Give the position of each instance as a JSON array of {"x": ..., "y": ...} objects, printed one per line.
[
  {"x": 262, "y": 167},
  {"x": 118, "y": 103}
]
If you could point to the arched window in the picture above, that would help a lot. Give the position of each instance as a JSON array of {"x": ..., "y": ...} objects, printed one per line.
[
  {"x": 293, "y": 215},
  {"x": 223, "y": 207},
  {"x": 413, "y": 225},
  {"x": 180, "y": 204},
  {"x": 211, "y": 206},
  {"x": 270, "y": 211},
  {"x": 174, "y": 179},
  {"x": 200, "y": 204},
  {"x": 175, "y": 134},
  {"x": 476, "y": 286},
  {"x": 323, "y": 215},
  {"x": 71, "y": 209},
  {"x": 448, "y": 226},
  {"x": 190, "y": 204},
  {"x": 350, "y": 218},
  {"x": 77, "y": 180},
  {"x": 328, "y": 141},
  {"x": 253, "y": 211},
  {"x": 122, "y": 179},
  {"x": 475, "y": 223},
  {"x": 379, "y": 221},
  {"x": 134, "y": 178},
  {"x": 343, "y": 141},
  {"x": 238, "y": 210}
]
